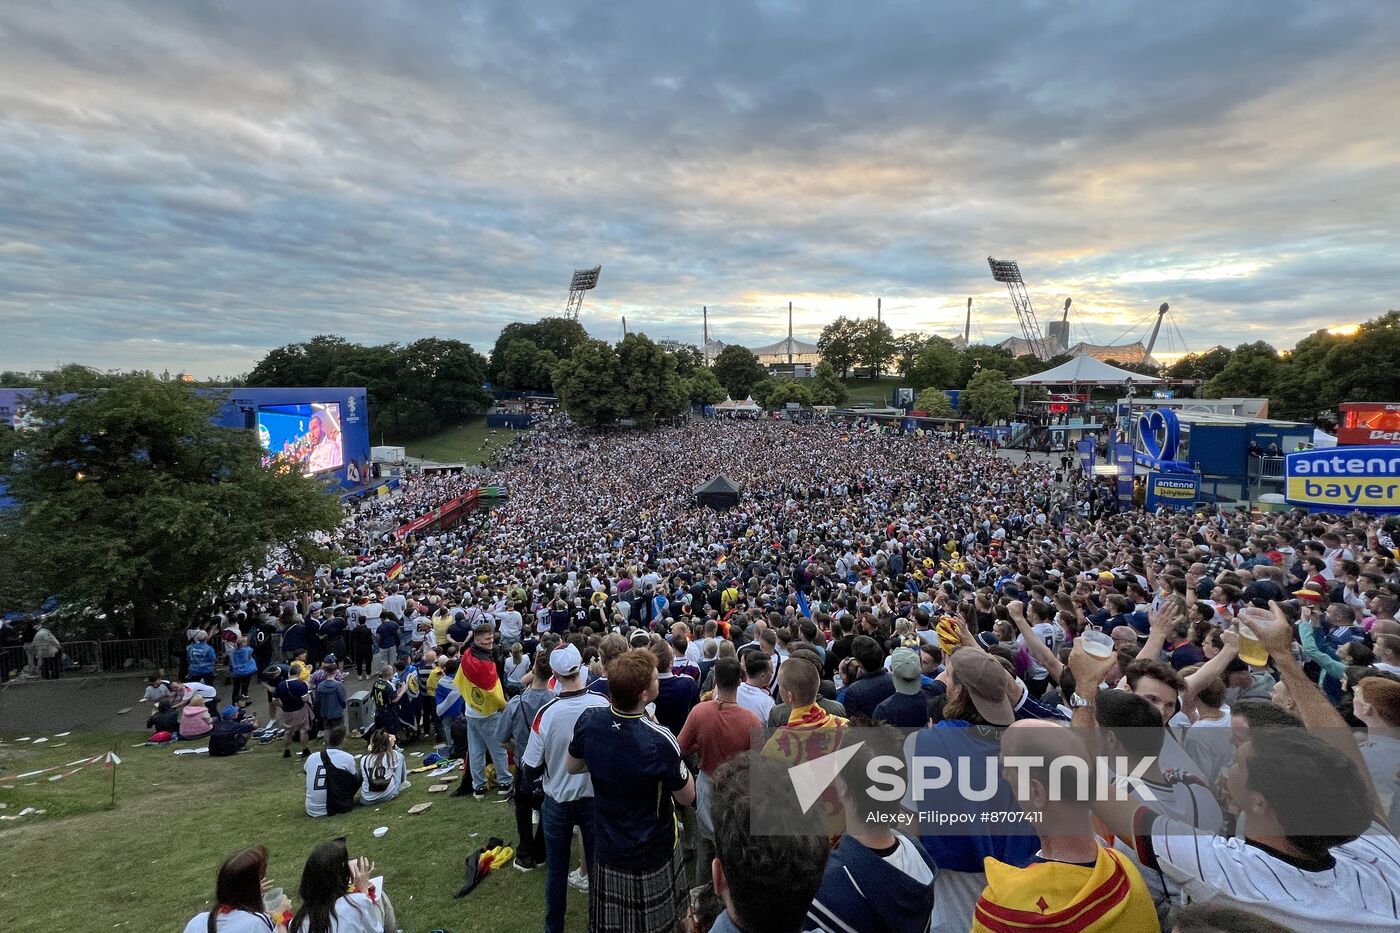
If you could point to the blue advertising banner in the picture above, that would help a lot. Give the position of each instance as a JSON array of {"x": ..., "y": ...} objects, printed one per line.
[
  {"x": 1172, "y": 490},
  {"x": 1086, "y": 449},
  {"x": 1342, "y": 479},
  {"x": 1124, "y": 460}
]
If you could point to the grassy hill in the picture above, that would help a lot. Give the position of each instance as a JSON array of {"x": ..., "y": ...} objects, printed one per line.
[
  {"x": 460, "y": 444},
  {"x": 873, "y": 392},
  {"x": 149, "y": 863}
]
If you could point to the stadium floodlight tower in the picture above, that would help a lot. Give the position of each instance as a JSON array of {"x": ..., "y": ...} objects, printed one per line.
[
  {"x": 584, "y": 280},
  {"x": 1006, "y": 270}
]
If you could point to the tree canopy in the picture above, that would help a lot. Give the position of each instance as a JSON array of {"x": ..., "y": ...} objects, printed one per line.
[
  {"x": 989, "y": 397},
  {"x": 555, "y": 335},
  {"x": 599, "y": 384},
  {"x": 934, "y": 401},
  {"x": 738, "y": 370},
  {"x": 132, "y": 503},
  {"x": 412, "y": 390}
]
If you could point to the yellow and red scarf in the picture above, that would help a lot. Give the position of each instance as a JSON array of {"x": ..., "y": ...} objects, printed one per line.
[{"x": 1054, "y": 897}]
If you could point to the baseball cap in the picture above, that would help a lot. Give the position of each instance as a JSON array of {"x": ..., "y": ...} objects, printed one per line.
[
  {"x": 330, "y": 659},
  {"x": 565, "y": 660},
  {"x": 904, "y": 668},
  {"x": 984, "y": 679}
]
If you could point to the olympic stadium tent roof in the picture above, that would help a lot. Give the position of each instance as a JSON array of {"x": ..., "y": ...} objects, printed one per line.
[{"x": 1085, "y": 370}]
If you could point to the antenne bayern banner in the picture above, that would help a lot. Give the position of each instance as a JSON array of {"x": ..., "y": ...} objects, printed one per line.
[
  {"x": 1172, "y": 490},
  {"x": 1342, "y": 479}
]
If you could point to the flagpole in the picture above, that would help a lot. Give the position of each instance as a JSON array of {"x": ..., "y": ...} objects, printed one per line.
[{"x": 113, "y": 759}]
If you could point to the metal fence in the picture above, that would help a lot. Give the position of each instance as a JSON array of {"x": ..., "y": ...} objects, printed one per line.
[{"x": 125, "y": 655}]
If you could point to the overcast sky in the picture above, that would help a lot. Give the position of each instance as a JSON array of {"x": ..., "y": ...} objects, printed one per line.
[{"x": 185, "y": 185}]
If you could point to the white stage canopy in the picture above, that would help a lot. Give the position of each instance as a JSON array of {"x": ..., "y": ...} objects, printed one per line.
[{"x": 1085, "y": 370}]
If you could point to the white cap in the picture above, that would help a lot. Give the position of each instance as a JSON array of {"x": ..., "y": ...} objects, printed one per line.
[{"x": 565, "y": 661}]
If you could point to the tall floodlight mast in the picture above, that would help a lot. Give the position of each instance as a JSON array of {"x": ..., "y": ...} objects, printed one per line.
[
  {"x": 1006, "y": 270},
  {"x": 583, "y": 280}
]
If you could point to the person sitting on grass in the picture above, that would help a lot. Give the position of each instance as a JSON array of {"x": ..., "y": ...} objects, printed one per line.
[
  {"x": 337, "y": 895},
  {"x": 332, "y": 778},
  {"x": 229, "y": 736},
  {"x": 238, "y": 896},
  {"x": 382, "y": 769},
  {"x": 165, "y": 719},
  {"x": 195, "y": 721}
]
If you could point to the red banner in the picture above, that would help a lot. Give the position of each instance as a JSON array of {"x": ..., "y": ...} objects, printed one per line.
[{"x": 447, "y": 509}]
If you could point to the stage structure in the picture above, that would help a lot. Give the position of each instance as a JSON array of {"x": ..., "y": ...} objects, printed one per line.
[
  {"x": 1006, "y": 270},
  {"x": 584, "y": 280}
]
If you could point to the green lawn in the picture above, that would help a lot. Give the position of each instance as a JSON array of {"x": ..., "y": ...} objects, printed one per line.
[
  {"x": 149, "y": 864},
  {"x": 874, "y": 393},
  {"x": 461, "y": 444}
]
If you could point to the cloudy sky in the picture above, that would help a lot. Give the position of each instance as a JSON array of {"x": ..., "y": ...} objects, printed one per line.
[{"x": 186, "y": 184}]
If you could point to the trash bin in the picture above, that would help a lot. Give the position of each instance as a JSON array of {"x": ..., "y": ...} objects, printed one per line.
[{"x": 359, "y": 713}]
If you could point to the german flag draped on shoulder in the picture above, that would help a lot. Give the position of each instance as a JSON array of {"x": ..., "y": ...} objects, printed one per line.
[{"x": 480, "y": 684}]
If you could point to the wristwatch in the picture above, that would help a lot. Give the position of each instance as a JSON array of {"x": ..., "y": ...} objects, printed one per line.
[{"x": 1077, "y": 702}]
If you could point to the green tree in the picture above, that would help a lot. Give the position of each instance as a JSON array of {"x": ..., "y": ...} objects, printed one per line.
[
  {"x": 412, "y": 391},
  {"x": 907, "y": 347},
  {"x": 649, "y": 388},
  {"x": 1363, "y": 368},
  {"x": 875, "y": 346},
  {"x": 826, "y": 387},
  {"x": 520, "y": 365},
  {"x": 688, "y": 356},
  {"x": 587, "y": 385},
  {"x": 302, "y": 364},
  {"x": 1253, "y": 370},
  {"x": 556, "y": 334},
  {"x": 738, "y": 370},
  {"x": 981, "y": 358},
  {"x": 938, "y": 364},
  {"x": 778, "y": 392},
  {"x": 132, "y": 503},
  {"x": 989, "y": 397},
  {"x": 1201, "y": 366},
  {"x": 934, "y": 401},
  {"x": 703, "y": 388},
  {"x": 839, "y": 344}
]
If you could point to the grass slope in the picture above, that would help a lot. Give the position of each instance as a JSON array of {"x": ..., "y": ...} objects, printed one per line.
[
  {"x": 460, "y": 444},
  {"x": 149, "y": 864},
  {"x": 874, "y": 393}
]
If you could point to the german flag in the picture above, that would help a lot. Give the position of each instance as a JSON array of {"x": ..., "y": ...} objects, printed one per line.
[
  {"x": 479, "y": 684},
  {"x": 394, "y": 571}
]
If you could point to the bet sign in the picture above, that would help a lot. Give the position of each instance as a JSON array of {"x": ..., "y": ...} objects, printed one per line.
[{"x": 1342, "y": 479}]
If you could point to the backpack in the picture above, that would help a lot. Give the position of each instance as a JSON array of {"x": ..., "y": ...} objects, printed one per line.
[
  {"x": 259, "y": 637},
  {"x": 376, "y": 774},
  {"x": 341, "y": 786}
]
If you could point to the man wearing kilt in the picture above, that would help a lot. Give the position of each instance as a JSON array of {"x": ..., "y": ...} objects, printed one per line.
[{"x": 635, "y": 884}]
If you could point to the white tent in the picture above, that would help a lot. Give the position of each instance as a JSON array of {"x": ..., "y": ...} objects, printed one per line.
[
  {"x": 1322, "y": 439},
  {"x": 1085, "y": 370}
]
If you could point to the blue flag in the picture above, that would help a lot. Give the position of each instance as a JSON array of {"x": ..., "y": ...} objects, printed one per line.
[{"x": 802, "y": 606}]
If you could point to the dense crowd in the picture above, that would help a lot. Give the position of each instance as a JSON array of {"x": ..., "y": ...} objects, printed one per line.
[{"x": 601, "y": 648}]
